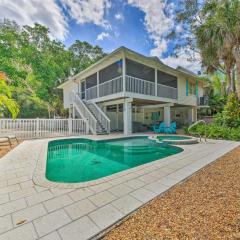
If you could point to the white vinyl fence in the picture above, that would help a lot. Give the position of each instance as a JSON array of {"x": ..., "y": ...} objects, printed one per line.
[{"x": 40, "y": 128}]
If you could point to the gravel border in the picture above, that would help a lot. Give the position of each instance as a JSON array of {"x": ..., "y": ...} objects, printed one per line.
[{"x": 205, "y": 206}]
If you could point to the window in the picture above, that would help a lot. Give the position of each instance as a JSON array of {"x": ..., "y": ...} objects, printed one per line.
[
  {"x": 138, "y": 70},
  {"x": 192, "y": 89},
  {"x": 166, "y": 79},
  {"x": 112, "y": 71},
  {"x": 91, "y": 81}
]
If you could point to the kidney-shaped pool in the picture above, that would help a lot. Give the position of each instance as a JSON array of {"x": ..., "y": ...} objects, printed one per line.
[{"x": 81, "y": 160}]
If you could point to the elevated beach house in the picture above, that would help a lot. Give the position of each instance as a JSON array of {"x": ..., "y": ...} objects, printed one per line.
[{"x": 126, "y": 91}]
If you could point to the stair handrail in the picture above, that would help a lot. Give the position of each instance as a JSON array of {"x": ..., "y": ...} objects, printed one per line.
[
  {"x": 84, "y": 111},
  {"x": 102, "y": 117},
  {"x": 205, "y": 129}
]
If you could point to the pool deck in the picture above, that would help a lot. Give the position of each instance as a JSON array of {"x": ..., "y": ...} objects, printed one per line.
[{"x": 30, "y": 211}]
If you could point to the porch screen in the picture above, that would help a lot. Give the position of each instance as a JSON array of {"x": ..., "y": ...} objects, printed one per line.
[
  {"x": 166, "y": 79},
  {"x": 112, "y": 71},
  {"x": 91, "y": 81},
  {"x": 138, "y": 70}
]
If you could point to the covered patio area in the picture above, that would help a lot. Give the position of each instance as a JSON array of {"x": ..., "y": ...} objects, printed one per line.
[{"x": 132, "y": 115}]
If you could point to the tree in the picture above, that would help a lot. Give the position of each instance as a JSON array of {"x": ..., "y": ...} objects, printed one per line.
[
  {"x": 6, "y": 101},
  {"x": 212, "y": 28},
  {"x": 36, "y": 64}
]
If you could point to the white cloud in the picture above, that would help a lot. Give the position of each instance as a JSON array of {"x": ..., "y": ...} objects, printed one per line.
[
  {"x": 119, "y": 16},
  {"x": 48, "y": 13},
  {"x": 28, "y": 12},
  {"x": 102, "y": 36},
  {"x": 91, "y": 11},
  {"x": 157, "y": 23},
  {"x": 184, "y": 60}
]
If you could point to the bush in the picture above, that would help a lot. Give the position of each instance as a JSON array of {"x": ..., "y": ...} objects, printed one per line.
[
  {"x": 226, "y": 125},
  {"x": 230, "y": 116},
  {"x": 216, "y": 131}
]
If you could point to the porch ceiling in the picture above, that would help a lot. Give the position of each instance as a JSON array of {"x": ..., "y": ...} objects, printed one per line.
[{"x": 144, "y": 102}]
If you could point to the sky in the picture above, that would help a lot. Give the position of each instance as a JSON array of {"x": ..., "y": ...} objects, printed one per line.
[{"x": 141, "y": 25}]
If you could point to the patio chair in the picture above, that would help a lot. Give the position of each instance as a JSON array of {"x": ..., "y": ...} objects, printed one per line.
[
  {"x": 7, "y": 139},
  {"x": 160, "y": 128},
  {"x": 171, "y": 129}
]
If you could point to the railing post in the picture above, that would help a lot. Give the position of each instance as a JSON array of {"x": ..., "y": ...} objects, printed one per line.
[
  {"x": 97, "y": 84},
  {"x": 37, "y": 127},
  {"x": 70, "y": 126},
  {"x": 156, "y": 82},
  {"x": 87, "y": 126},
  {"x": 124, "y": 73}
]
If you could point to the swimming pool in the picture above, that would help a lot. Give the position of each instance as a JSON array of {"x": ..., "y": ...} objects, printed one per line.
[{"x": 81, "y": 160}]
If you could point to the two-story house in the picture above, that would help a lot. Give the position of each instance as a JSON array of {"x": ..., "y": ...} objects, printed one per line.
[{"x": 126, "y": 91}]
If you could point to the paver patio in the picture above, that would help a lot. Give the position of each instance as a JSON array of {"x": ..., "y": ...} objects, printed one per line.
[{"x": 30, "y": 211}]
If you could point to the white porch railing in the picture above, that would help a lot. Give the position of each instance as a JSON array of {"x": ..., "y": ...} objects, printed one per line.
[
  {"x": 84, "y": 111},
  {"x": 166, "y": 91},
  {"x": 40, "y": 128},
  {"x": 140, "y": 86},
  {"x": 100, "y": 115},
  {"x": 91, "y": 93},
  {"x": 110, "y": 87}
]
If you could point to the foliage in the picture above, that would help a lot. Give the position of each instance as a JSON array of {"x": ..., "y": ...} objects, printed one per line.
[
  {"x": 211, "y": 28},
  {"x": 230, "y": 116},
  {"x": 217, "y": 103},
  {"x": 36, "y": 64},
  {"x": 216, "y": 131},
  {"x": 226, "y": 125},
  {"x": 6, "y": 101}
]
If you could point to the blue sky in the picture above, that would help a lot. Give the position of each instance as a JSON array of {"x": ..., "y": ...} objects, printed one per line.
[
  {"x": 127, "y": 29},
  {"x": 141, "y": 25}
]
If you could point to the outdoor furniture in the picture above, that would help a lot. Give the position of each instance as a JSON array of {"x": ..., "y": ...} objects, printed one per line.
[
  {"x": 160, "y": 128},
  {"x": 7, "y": 139},
  {"x": 171, "y": 129}
]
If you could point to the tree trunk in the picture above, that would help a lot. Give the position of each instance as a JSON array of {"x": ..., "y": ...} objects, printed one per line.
[
  {"x": 229, "y": 81},
  {"x": 236, "y": 53}
]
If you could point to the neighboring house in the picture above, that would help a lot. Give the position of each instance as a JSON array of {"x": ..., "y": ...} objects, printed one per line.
[{"x": 126, "y": 91}]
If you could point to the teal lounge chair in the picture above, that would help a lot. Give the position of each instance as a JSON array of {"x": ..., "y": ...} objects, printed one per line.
[
  {"x": 171, "y": 129},
  {"x": 160, "y": 128}
]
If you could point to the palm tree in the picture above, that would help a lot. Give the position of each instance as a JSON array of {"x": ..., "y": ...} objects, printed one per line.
[
  {"x": 218, "y": 38},
  {"x": 6, "y": 101}
]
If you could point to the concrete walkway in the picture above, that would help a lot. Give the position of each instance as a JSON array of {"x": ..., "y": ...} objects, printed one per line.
[{"x": 29, "y": 211}]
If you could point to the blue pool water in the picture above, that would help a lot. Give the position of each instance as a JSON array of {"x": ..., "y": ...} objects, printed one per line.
[{"x": 80, "y": 160}]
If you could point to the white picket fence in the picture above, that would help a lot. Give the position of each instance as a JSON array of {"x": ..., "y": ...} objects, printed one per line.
[{"x": 40, "y": 128}]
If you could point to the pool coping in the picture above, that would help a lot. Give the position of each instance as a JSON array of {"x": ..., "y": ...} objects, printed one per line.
[
  {"x": 39, "y": 174},
  {"x": 191, "y": 140}
]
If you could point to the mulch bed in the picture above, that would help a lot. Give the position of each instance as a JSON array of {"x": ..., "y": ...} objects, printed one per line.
[
  {"x": 5, "y": 148},
  {"x": 206, "y": 206}
]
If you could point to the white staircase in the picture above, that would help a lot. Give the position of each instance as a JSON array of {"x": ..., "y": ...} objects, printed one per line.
[{"x": 98, "y": 122}]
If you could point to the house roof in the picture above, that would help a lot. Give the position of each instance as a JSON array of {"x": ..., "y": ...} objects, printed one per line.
[{"x": 179, "y": 69}]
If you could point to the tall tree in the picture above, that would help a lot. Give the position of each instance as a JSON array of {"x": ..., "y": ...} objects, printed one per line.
[
  {"x": 6, "y": 100},
  {"x": 36, "y": 64},
  {"x": 212, "y": 28}
]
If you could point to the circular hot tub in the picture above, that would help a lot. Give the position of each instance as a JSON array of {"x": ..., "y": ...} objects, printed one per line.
[{"x": 175, "y": 139}]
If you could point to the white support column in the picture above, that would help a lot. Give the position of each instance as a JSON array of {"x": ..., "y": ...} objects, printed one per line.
[
  {"x": 70, "y": 126},
  {"x": 124, "y": 73},
  {"x": 127, "y": 118},
  {"x": 156, "y": 82},
  {"x": 190, "y": 115},
  {"x": 135, "y": 114},
  {"x": 167, "y": 116},
  {"x": 73, "y": 112},
  {"x": 195, "y": 114},
  {"x": 117, "y": 110},
  {"x": 98, "y": 84},
  {"x": 143, "y": 115},
  {"x": 104, "y": 109}
]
